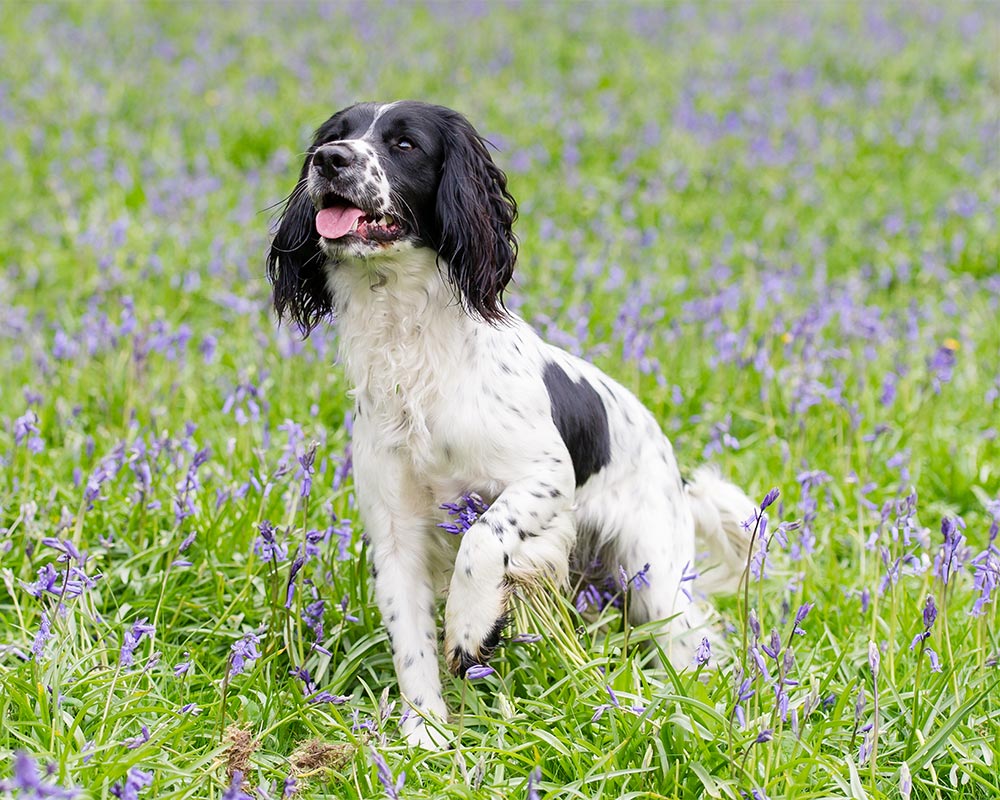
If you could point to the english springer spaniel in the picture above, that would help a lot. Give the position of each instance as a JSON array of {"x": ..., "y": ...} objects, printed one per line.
[{"x": 400, "y": 230}]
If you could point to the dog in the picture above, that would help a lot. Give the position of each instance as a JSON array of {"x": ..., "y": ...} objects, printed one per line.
[{"x": 400, "y": 229}]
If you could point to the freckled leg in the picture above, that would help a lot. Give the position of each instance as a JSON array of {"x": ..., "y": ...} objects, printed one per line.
[
  {"x": 397, "y": 515},
  {"x": 406, "y": 599},
  {"x": 528, "y": 530}
]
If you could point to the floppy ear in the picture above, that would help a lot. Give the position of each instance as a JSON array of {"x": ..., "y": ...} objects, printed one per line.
[
  {"x": 295, "y": 262},
  {"x": 475, "y": 215}
]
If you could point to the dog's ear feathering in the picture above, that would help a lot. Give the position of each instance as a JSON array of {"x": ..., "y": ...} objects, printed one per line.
[
  {"x": 475, "y": 217},
  {"x": 295, "y": 262}
]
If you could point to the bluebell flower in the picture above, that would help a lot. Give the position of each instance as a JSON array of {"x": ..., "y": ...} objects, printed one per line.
[
  {"x": 135, "y": 780},
  {"x": 464, "y": 513},
  {"x": 704, "y": 652},
  {"x": 534, "y": 778},
  {"x": 131, "y": 640},
  {"x": 235, "y": 789},
  {"x": 42, "y": 637},
  {"x": 27, "y": 781},
  {"x": 391, "y": 785},
  {"x": 244, "y": 653},
  {"x": 135, "y": 742},
  {"x": 478, "y": 671}
]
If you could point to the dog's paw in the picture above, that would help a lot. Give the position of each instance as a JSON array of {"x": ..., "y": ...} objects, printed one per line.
[
  {"x": 424, "y": 733},
  {"x": 473, "y": 624},
  {"x": 461, "y": 654}
]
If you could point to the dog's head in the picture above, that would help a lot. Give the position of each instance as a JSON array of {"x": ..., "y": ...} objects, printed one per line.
[{"x": 381, "y": 178}]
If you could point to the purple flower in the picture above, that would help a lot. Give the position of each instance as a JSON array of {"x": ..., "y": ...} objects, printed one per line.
[
  {"x": 392, "y": 786},
  {"x": 131, "y": 641},
  {"x": 774, "y": 648},
  {"x": 43, "y": 636},
  {"x": 266, "y": 546},
  {"x": 27, "y": 782},
  {"x": 135, "y": 742},
  {"x": 769, "y": 498},
  {"x": 930, "y": 612},
  {"x": 182, "y": 667},
  {"x": 764, "y": 736},
  {"x": 873, "y": 658},
  {"x": 244, "y": 653},
  {"x": 905, "y": 781},
  {"x": 703, "y": 654},
  {"x": 306, "y": 461},
  {"x": 135, "y": 780},
  {"x": 953, "y": 552},
  {"x": 235, "y": 789},
  {"x": 800, "y": 616},
  {"x": 477, "y": 671},
  {"x": 24, "y": 425},
  {"x": 292, "y": 572},
  {"x": 533, "y": 780},
  {"x": 464, "y": 513},
  {"x": 527, "y": 638},
  {"x": 986, "y": 574},
  {"x": 688, "y": 575}
]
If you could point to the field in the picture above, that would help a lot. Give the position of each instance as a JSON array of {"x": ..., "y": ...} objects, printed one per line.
[{"x": 777, "y": 223}]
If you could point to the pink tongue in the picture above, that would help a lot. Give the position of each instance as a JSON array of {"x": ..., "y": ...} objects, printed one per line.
[{"x": 332, "y": 223}]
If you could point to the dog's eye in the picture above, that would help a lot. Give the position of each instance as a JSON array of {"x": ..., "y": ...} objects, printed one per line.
[{"x": 402, "y": 143}]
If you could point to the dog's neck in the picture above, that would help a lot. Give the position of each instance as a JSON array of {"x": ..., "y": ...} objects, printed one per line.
[{"x": 402, "y": 335}]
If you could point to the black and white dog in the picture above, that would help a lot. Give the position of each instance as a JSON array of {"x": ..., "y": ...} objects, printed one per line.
[{"x": 400, "y": 229}]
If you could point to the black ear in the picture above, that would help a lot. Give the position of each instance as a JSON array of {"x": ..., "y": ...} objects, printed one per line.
[
  {"x": 295, "y": 262},
  {"x": 475, "y": 216}
]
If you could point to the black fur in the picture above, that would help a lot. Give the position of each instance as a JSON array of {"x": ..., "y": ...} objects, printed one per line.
[
  {"x": 474, "y": 219},
  {"x": 581, "y": 419},
  {"x": 295, "y": 261}
]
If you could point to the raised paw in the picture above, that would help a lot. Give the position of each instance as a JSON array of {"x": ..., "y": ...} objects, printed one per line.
[
  {"x": 462, "y": 655},
  {"x": 474, "y": 619}
]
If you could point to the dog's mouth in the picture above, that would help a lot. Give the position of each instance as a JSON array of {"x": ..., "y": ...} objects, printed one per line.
[{"x": 338, "y": 219}]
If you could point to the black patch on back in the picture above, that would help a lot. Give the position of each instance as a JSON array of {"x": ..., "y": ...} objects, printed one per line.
[{"x": 581, "y": 419}]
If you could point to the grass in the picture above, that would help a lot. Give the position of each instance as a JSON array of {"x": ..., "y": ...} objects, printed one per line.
[{"x": 777, "y": 224}]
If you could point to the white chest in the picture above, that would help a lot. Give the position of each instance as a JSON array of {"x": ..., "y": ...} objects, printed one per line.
[{"x": 403, "y": 341}]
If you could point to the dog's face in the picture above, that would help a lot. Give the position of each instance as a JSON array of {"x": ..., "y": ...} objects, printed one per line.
[
  {"x": 372, "y": 178},
  {"x": 383, "y": 178}
]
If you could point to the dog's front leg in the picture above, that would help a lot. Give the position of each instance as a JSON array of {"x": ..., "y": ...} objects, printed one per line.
[
  {"x": 527, "y": 530},
  {"x": 396, "y": 514}
]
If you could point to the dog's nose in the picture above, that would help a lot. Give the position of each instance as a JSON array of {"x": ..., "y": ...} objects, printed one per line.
[{"x": 330, "y": 159}]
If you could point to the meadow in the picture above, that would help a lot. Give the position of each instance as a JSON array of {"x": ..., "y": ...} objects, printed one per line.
[{"x": 777, "y": 223}]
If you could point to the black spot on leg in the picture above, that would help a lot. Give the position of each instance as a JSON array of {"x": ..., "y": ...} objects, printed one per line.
[
  {"x": 418, "y": 700},
  {"x": 506, "y": 561},
  {"x": 582, "y": 421}
]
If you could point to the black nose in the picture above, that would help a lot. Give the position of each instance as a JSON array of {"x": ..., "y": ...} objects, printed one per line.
[{"x": 330, "y": 159}]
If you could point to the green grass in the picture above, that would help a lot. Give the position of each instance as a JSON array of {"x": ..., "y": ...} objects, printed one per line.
[{"x": 776, "y": 223}]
